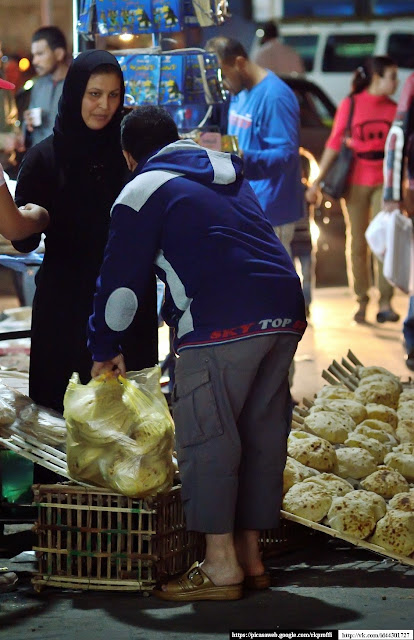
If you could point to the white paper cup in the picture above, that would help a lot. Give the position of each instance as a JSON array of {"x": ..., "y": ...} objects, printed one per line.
[{"x": 36, "y": 115}]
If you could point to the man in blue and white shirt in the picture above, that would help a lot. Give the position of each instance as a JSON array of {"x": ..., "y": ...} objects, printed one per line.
[
  {"x": 236, "y": 305},
  {"x": 264, "y": 115}
]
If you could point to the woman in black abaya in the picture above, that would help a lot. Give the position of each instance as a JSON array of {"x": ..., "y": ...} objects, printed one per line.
[{"x": 76, "y": 174}]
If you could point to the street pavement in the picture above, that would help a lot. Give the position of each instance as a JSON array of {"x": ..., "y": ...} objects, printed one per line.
[{"x": 332, "y": 332}]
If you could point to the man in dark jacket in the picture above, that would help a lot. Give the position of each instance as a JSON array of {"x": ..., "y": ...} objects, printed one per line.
[{"x": 236, "y": 305}]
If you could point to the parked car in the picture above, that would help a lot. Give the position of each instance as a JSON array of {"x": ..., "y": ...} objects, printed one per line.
[
  {"x": 331, "y": 50},
  {"x": 317, "y": 112}
]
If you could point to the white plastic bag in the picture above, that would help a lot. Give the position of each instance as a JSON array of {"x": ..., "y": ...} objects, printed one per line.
[
  {"x": 376, "y": 234},
  {"x": 398, "y": 267}
]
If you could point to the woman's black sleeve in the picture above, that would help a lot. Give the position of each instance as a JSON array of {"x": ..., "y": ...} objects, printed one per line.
[{"x": 32, "y": 186}]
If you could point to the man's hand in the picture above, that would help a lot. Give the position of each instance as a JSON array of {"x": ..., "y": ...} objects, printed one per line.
[
  {"x": 116, "y": 366},
  {"x": 28, "y": 119},
  {"x": 313, "y": 195}
]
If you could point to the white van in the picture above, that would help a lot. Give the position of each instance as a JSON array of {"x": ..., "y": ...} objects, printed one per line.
[{"x": 333, "y": 50}]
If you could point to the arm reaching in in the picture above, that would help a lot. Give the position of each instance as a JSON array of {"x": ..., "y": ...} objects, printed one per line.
[
  {"x": 18, "y": 223},
  {"x": 312, "y": 193}
]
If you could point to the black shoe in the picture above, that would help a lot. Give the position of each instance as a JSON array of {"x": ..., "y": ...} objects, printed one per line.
[
  {"x": 387, "y": 316},
  {"x": 409, "y": 360},
  {"x": 360, "y": 311}
]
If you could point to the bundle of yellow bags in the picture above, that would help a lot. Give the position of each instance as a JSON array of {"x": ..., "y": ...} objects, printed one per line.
[{"x": 120, "y": 433}]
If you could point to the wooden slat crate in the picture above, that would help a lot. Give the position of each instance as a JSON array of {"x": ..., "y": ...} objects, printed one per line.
[
  {"x": 287, "y": 537},
  {"x": 92, "y": 539}
]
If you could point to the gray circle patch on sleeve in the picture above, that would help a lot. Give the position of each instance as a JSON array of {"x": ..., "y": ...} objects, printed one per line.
[{"x": 120, "y": 309}]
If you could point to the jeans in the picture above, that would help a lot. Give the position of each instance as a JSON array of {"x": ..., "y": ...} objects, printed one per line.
[{"x": 408, "y": 327}]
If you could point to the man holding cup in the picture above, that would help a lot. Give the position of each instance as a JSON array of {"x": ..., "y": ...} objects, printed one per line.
[{"x": 49, "y": 52}]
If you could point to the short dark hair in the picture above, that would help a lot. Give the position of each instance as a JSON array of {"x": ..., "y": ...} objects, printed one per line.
[
  {"x": 147, "y": 129},
  {"x": 54, "y": 37},
  {"x": 226, "y": 49}
]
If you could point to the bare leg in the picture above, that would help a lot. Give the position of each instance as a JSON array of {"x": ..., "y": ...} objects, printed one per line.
[
  {"x": 248, "y": 554},
  {"x": 220, "y": 563}
]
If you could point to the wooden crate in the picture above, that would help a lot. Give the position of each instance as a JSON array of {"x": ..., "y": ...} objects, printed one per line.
[
  {"x": 289, "y": 536},
  {"x": 92, "y": 539}
]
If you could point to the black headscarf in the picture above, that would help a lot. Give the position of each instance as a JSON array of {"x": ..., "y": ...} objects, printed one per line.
[{"x": 73, "y": 140}]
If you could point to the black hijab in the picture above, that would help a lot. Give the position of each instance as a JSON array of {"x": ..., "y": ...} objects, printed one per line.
[{"x": 73, "y": 140}]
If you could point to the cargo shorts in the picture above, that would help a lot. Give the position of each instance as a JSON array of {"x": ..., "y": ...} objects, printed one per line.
[{"x": 232, "y": 413}]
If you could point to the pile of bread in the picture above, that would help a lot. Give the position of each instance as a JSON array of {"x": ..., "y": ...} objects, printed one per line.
[{"x": 350, "y": 461}]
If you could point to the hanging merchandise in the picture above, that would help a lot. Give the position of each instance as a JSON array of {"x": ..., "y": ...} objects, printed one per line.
[
  {"x": 171, "y": 80},
  {"x": 115, "y": 17},
  {"x": 168, "y": 15},
  {"x": 188, "y": 76},
  {"x": 135, "y": 17},
  {"x": 142, "y": 78},
  {"x": 85, "y": 18}
]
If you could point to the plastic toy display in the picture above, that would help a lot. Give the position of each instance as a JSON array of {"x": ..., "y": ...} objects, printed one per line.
[
  {"x": 115, "y": 17},
  {"x": 186, "y": 77}
]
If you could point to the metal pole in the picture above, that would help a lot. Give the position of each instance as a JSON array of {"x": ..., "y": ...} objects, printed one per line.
[
  {"x": 75, "y": 36},
  {"x": 46, "y": 12}
]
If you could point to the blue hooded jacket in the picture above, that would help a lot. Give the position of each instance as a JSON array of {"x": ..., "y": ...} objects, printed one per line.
[{"x": 189, "y": 213}]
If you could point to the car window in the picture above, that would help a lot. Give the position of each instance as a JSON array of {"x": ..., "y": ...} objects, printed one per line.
[
  {"x": 392, "y": 7},
  {"x": 305, "y": 45},
  {"x": 347, "y": 52},
  {"x": 401, "y": 49},
  {"x": 314, "y": 111},
  {"x": 321, "y": 8}
]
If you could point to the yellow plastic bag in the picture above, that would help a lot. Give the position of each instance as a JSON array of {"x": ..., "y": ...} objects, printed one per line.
[{"x": 120, "y": 433}]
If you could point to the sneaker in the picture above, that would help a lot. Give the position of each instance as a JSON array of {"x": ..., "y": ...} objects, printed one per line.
[{"x": 388, "y": 315}]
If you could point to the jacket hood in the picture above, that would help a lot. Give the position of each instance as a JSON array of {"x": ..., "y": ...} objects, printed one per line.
[{"x": 188, "y": 159}]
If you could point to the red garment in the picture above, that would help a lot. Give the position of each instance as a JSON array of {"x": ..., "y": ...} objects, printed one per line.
[{"x": 371, "y": 121}]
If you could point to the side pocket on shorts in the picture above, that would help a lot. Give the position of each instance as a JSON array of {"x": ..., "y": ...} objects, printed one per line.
[{"x": 195, "y": 409}]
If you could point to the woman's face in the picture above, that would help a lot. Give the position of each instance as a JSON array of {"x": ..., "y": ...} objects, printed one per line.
[
  {"x": 101, "y": 99},
  {"x": 388, "y": 83}
]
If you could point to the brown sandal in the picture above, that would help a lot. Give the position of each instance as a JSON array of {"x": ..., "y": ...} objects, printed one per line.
[
  {"x": 256, "y": 583},
  {"x": 196, "y": 585}
]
